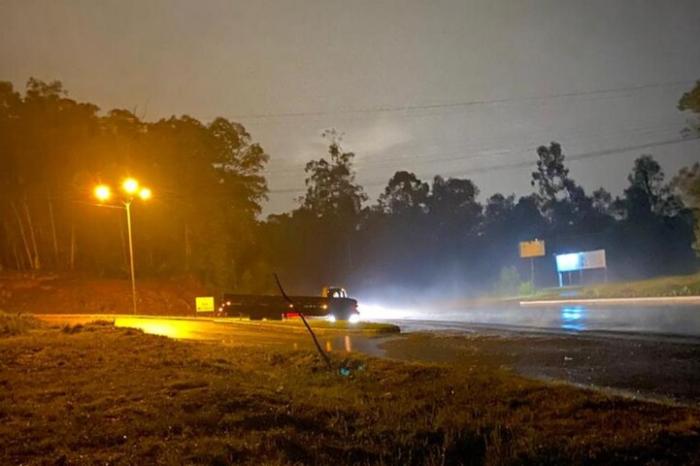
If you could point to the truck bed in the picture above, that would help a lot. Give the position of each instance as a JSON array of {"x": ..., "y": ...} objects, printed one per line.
[{"x": 276, "y": 307}]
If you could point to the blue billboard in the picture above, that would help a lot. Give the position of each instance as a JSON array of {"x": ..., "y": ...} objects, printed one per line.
[{"x": 569, "y": 262}]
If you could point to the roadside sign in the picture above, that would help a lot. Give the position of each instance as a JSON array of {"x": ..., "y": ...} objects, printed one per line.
[
  {"x": 594, "y": 259},
  {"x": 534, "y": 248},
  {"x": 568, "y": 262},
  {"x": 581, "y": 261},
  {"x": 204, "y": 303}
]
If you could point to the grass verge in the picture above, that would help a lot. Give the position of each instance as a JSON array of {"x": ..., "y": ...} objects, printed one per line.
[
  {"x": 680, "y": 285},
  {"x": 16, "y": 324},
  {"x": 99, "y": 394}
]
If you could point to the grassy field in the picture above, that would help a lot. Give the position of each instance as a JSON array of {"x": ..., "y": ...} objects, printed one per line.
[
  {"x": 93, "y": 393},
  {"x": 680, "y": 285}
]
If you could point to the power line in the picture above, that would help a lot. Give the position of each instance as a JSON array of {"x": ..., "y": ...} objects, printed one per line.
[
  {"x": 527, "y": 163},
  {"x": 466, "y": 103},
  {"x": 459, "y": 154}
]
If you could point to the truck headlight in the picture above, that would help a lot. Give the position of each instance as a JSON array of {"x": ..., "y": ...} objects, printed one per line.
[
  {"x": 354, "y": 318},
  {"x": 331, "y": 318}
]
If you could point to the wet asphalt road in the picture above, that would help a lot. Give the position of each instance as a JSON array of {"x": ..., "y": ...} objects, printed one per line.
[
  {"x": 649, "y": 352},
  {"x": 644, "y": 321}
]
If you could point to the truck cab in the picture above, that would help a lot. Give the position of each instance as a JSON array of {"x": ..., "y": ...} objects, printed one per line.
[{"x": 334, "y": 292}]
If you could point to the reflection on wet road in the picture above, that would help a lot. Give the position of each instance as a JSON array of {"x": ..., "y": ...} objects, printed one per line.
[
  {"x": 573, "y": 318},
  {"x": 246, "y": 333},
  {"x": 235, "y": 332}
]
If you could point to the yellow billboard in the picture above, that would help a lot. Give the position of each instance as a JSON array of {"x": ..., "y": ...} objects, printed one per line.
[
  {"x": 534, "y": 248},
  {"x": 204, "y": 303}
]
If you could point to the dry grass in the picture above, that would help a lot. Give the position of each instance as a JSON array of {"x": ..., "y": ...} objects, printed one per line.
[
  {"x": 16, "y": 324},
  {"x": 104, "y": 395}
]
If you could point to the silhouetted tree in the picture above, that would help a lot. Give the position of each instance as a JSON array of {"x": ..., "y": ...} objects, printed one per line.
[
  {"x": 687, "y": 182},
  {"x": 207, "y": 181},
  {"x": 404, "y": 194},
  {"x": 209, "y": 185},
  {"x": 331, "y": 190},
  {"x": 647, "y": 193},
  {"x": 602, "y": 201},
  {"x": 690, "y": 101},
  {"x": 551, "y": 176}
]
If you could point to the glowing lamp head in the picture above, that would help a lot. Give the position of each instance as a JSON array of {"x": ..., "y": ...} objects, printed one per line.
[
  {"x": 102, "y": 192},
  {"x": 145, "y": 194},
  {"x": 130, "y": 185}
]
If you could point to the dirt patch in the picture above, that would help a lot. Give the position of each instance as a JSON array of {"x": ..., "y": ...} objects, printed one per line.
[{"x": 109, "y": 395}]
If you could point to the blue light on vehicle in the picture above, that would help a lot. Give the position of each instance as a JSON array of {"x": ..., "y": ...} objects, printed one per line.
[{"x": 569, "y": 262}]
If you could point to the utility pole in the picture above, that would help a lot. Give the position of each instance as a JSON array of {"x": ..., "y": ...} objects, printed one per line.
[{"x": 127, "y": 205}]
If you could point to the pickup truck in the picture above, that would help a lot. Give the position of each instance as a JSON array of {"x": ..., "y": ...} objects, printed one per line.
[{"x": 333, "y": 303}]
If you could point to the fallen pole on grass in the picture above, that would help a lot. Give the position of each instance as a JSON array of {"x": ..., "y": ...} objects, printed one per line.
[{"x": 303, "y": 319}]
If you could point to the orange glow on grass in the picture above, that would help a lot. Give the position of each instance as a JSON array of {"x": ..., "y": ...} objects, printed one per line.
[{"x": 178, "y": 329}]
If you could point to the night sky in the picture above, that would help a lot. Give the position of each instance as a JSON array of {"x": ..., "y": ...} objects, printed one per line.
[{"x": 458, "y": 88}]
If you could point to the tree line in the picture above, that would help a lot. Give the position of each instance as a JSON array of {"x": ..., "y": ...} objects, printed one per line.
[
  {"x": 208, "y": 180},
  {"x": 209, "y": 185}
]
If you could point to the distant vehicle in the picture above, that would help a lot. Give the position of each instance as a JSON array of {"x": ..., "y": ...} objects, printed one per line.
[{"x": 333, "y": 303}]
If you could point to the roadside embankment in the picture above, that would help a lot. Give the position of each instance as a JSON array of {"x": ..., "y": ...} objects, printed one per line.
[
  {"x": 677, "y": 289},
  {"x": 673, "y": 289},
  {"x": 54, "y": 294},
  {"x": 660, "y": 300}
]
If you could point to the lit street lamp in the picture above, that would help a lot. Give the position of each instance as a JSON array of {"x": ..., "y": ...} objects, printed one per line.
[
  {"x": 131, "y": 188},
  {"x": 103, "y": 192}
]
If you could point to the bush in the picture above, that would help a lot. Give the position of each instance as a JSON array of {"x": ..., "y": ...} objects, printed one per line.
[
  {"x": 526, "y": 289},
  {"x": 509, "y": 281}
]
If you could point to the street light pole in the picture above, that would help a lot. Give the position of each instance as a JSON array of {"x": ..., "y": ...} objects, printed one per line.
[
  {"x": 127, "y": 205},
  {"x": 131, "y": 188}
]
